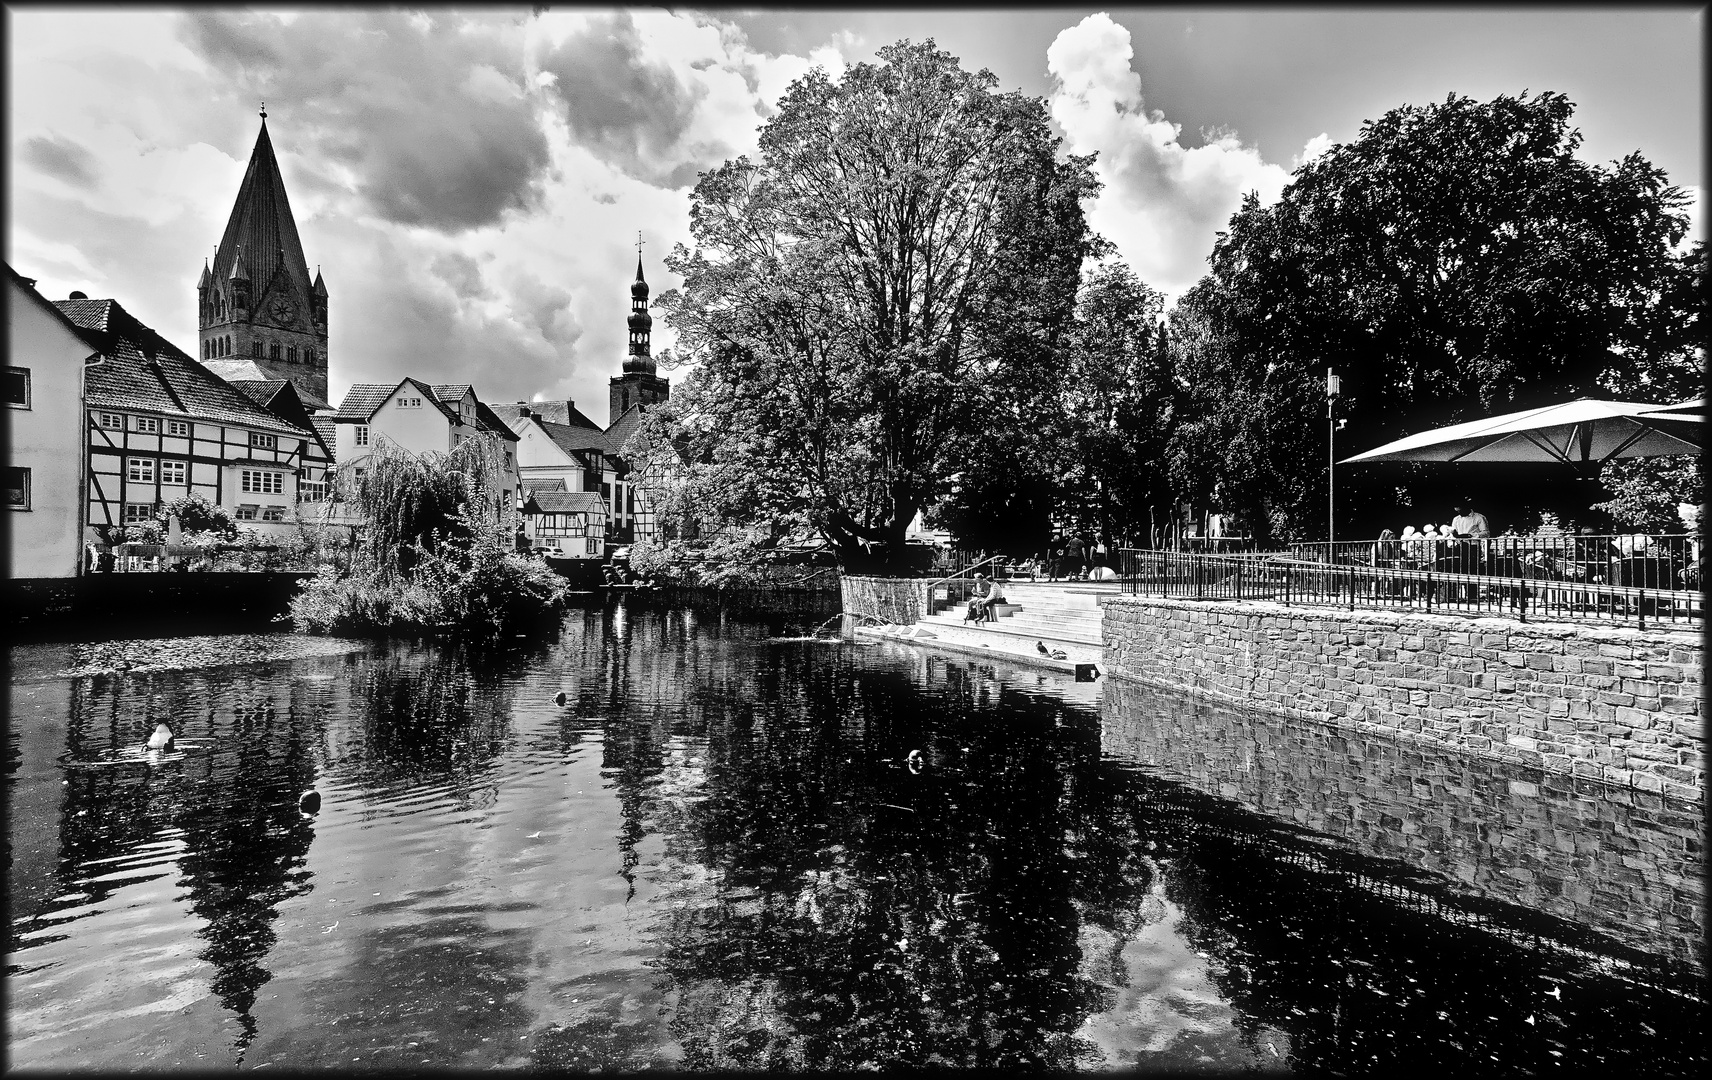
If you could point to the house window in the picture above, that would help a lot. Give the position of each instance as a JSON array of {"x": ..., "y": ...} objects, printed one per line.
[
  {"x": 172, "y": 472},
  {"x": 263, "y": 483},
  {"x": 246, "y": 513},
  {"x": 110, "y": 420},
  {"x": 273, "y": 513},
  {"x": 17, "y": 487},
  {"x": 178, "y": 427},
  {"x": 148, "y": 425},
  {"x": 18, "y": 387},
  {"x": 593, "y": 547},
  {"x": 262, "y": 442},
  {"x": 410, "y": 403},
  {"x": 311, "y": 491},
  {"x": 135, "y": 512},
  {"x": 273, "y": 350},
  {"x": 362, "y": 434},
  {"x": 291, "y": 354},
  {"x": 508, "y": 459},
  {"x": 256, "y": 349},
  {"x": 140, "y": 470}
]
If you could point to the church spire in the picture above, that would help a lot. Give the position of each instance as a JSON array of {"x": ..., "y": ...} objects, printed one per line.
[
  {"x": 266, "y": 319},
  {"x": 641, "y": 356}
]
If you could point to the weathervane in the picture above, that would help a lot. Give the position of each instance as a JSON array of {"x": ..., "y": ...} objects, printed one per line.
[
  {"x": 638, "y": 243},
  {"x": 264, "y": 110}
]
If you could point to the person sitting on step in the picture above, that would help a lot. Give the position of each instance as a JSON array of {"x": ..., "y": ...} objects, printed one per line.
[{"x": 980, "y": 595}]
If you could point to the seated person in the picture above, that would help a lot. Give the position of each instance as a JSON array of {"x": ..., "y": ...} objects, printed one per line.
[{"x": 980, "y": 595}]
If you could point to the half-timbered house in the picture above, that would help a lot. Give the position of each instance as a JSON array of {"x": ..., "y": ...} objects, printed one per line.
[{"x": 162, "y": 426}]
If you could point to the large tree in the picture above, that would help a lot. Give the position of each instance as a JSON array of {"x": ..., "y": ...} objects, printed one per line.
[
  {"x": 905, "y": 249},
  {"x": 1451, "y": 262}
]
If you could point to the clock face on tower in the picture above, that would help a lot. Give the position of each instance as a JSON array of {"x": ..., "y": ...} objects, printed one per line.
[{"x": 283, "y": 310}]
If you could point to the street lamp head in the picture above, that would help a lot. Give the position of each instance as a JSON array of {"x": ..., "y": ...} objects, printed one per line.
[{"x": 1334, "y": 385}]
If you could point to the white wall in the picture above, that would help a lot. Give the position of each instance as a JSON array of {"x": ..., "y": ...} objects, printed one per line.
[{"x": 45, "y": 438}]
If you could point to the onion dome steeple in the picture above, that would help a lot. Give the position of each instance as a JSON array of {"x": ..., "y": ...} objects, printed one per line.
[{"x": 641, "y": 323}]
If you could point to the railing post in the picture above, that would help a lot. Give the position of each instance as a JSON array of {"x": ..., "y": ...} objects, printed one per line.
[
  {"x": 1641, "y": 607},
  {"x": 1429, "y": 590}
]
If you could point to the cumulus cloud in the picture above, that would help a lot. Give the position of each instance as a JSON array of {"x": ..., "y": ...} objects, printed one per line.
[
  {"x": 1163, "y": 202},
  {"x": 432, "y": 117},
  {"x": 657, "y": 95},
  {"x": 62, "y": 158}
]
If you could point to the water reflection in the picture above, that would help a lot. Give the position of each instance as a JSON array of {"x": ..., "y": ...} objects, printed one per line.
[{"x": 719, "y": 854}]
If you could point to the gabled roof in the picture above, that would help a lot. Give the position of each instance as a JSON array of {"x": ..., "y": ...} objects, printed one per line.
[
  {"x": 281, "y": 397},
  {"x": 261, "y": 227},
  {"x": 174, "y": 384},
  {"x": 329, "y": 435},
  {"x": 555, "y": 484},
  {"x": 362, "y": 399},
  {"x": 487, "y": 421},
  {"x": 566, "y": 502}
]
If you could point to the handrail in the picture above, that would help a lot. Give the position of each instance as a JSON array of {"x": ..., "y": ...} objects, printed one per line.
[{"x": 965, "y": 570}]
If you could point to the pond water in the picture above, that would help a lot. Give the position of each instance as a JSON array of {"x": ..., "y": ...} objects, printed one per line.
[{"x": 719, "y": 852}]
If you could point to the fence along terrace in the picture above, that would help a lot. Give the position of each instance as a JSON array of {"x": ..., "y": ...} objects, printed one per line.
[{"x": 1634, "y": 579}]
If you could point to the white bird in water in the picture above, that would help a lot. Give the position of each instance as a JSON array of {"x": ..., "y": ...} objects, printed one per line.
[{"x": 161, "y": 739}]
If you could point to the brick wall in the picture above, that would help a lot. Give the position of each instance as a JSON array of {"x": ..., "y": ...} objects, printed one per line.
[
  {"x": 1624, "y": 863},
  {"x": 893, "y": 600},
  {"x": 1614, "y": 704}
]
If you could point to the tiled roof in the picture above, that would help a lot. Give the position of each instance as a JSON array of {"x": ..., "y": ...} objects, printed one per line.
[
  {"x": 362, "y": 399},
  {"x": 622, "y": 428},
  {"x": 175, "y": 385},
  {"x": 260, "y": 391},
  {"x": 572, "y": 439},
  {"x": 324, "y": 428},
  {"x": 555, "y": 484},
  {"x": 89, "y": 314},
  {"x": 487, "y": 421},
  {"x": 569, "y": 502},
  {"x": 558, "y": 412}
]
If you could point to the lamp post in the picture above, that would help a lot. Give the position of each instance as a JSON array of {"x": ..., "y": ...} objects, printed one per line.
[{"x": 1334, "y": 388}]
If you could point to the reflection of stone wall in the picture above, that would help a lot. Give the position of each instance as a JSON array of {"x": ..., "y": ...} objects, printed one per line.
[
  {"x": 895, "y": 600},
  {"x": 1624, "y": 863},
  {"x": 1608, "y": 703}
]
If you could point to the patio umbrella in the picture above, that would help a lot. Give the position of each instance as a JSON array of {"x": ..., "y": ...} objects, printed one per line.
[{"x": 1585, "y": 432}]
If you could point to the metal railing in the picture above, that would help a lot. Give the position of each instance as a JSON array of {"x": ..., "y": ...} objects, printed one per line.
[{"x": 1573, "y": 578}]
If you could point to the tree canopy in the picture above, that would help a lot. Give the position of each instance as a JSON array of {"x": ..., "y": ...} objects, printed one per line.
[
  {"x": 862, "y": 297},
  {"x": 1453, "y": 261}
]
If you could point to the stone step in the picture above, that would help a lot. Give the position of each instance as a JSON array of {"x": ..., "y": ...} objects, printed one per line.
[
  {"x": 1084, "y": 636},
  {"x": 1086, "y": 620}
]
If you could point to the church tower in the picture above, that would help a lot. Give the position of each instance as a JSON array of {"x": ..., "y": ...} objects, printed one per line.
[
  {"x": 259, "y": 314},
  {"x": 639, "y": 385}
]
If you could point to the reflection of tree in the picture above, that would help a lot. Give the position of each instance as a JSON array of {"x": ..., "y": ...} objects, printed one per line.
[
  {"x": 430, "y": 712},
  {"x": 936, "y": 929},
  {"x": 232, "y": 801},
  {"x": 245, "y": 839}
]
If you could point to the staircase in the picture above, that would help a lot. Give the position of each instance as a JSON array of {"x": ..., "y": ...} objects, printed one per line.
[{"x": 1064, "y": 616}]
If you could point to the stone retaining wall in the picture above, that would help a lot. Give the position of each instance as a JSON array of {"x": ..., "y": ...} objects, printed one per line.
[
  {"x": 1613, "y": 704},
  {"x": 893, "y": 600},
  {"x": 1623, "y": 863},
  {"x": 97, "y": 600}
]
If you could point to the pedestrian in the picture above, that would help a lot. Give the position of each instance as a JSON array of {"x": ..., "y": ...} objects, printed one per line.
[{"x": 1072, "y": 556}]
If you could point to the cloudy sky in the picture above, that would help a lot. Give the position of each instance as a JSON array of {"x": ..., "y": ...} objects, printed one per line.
[{"x": 472, "y": 182}]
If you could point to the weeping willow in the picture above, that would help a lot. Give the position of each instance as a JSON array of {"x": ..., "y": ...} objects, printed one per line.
[{"x": 423, "y": 500}]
